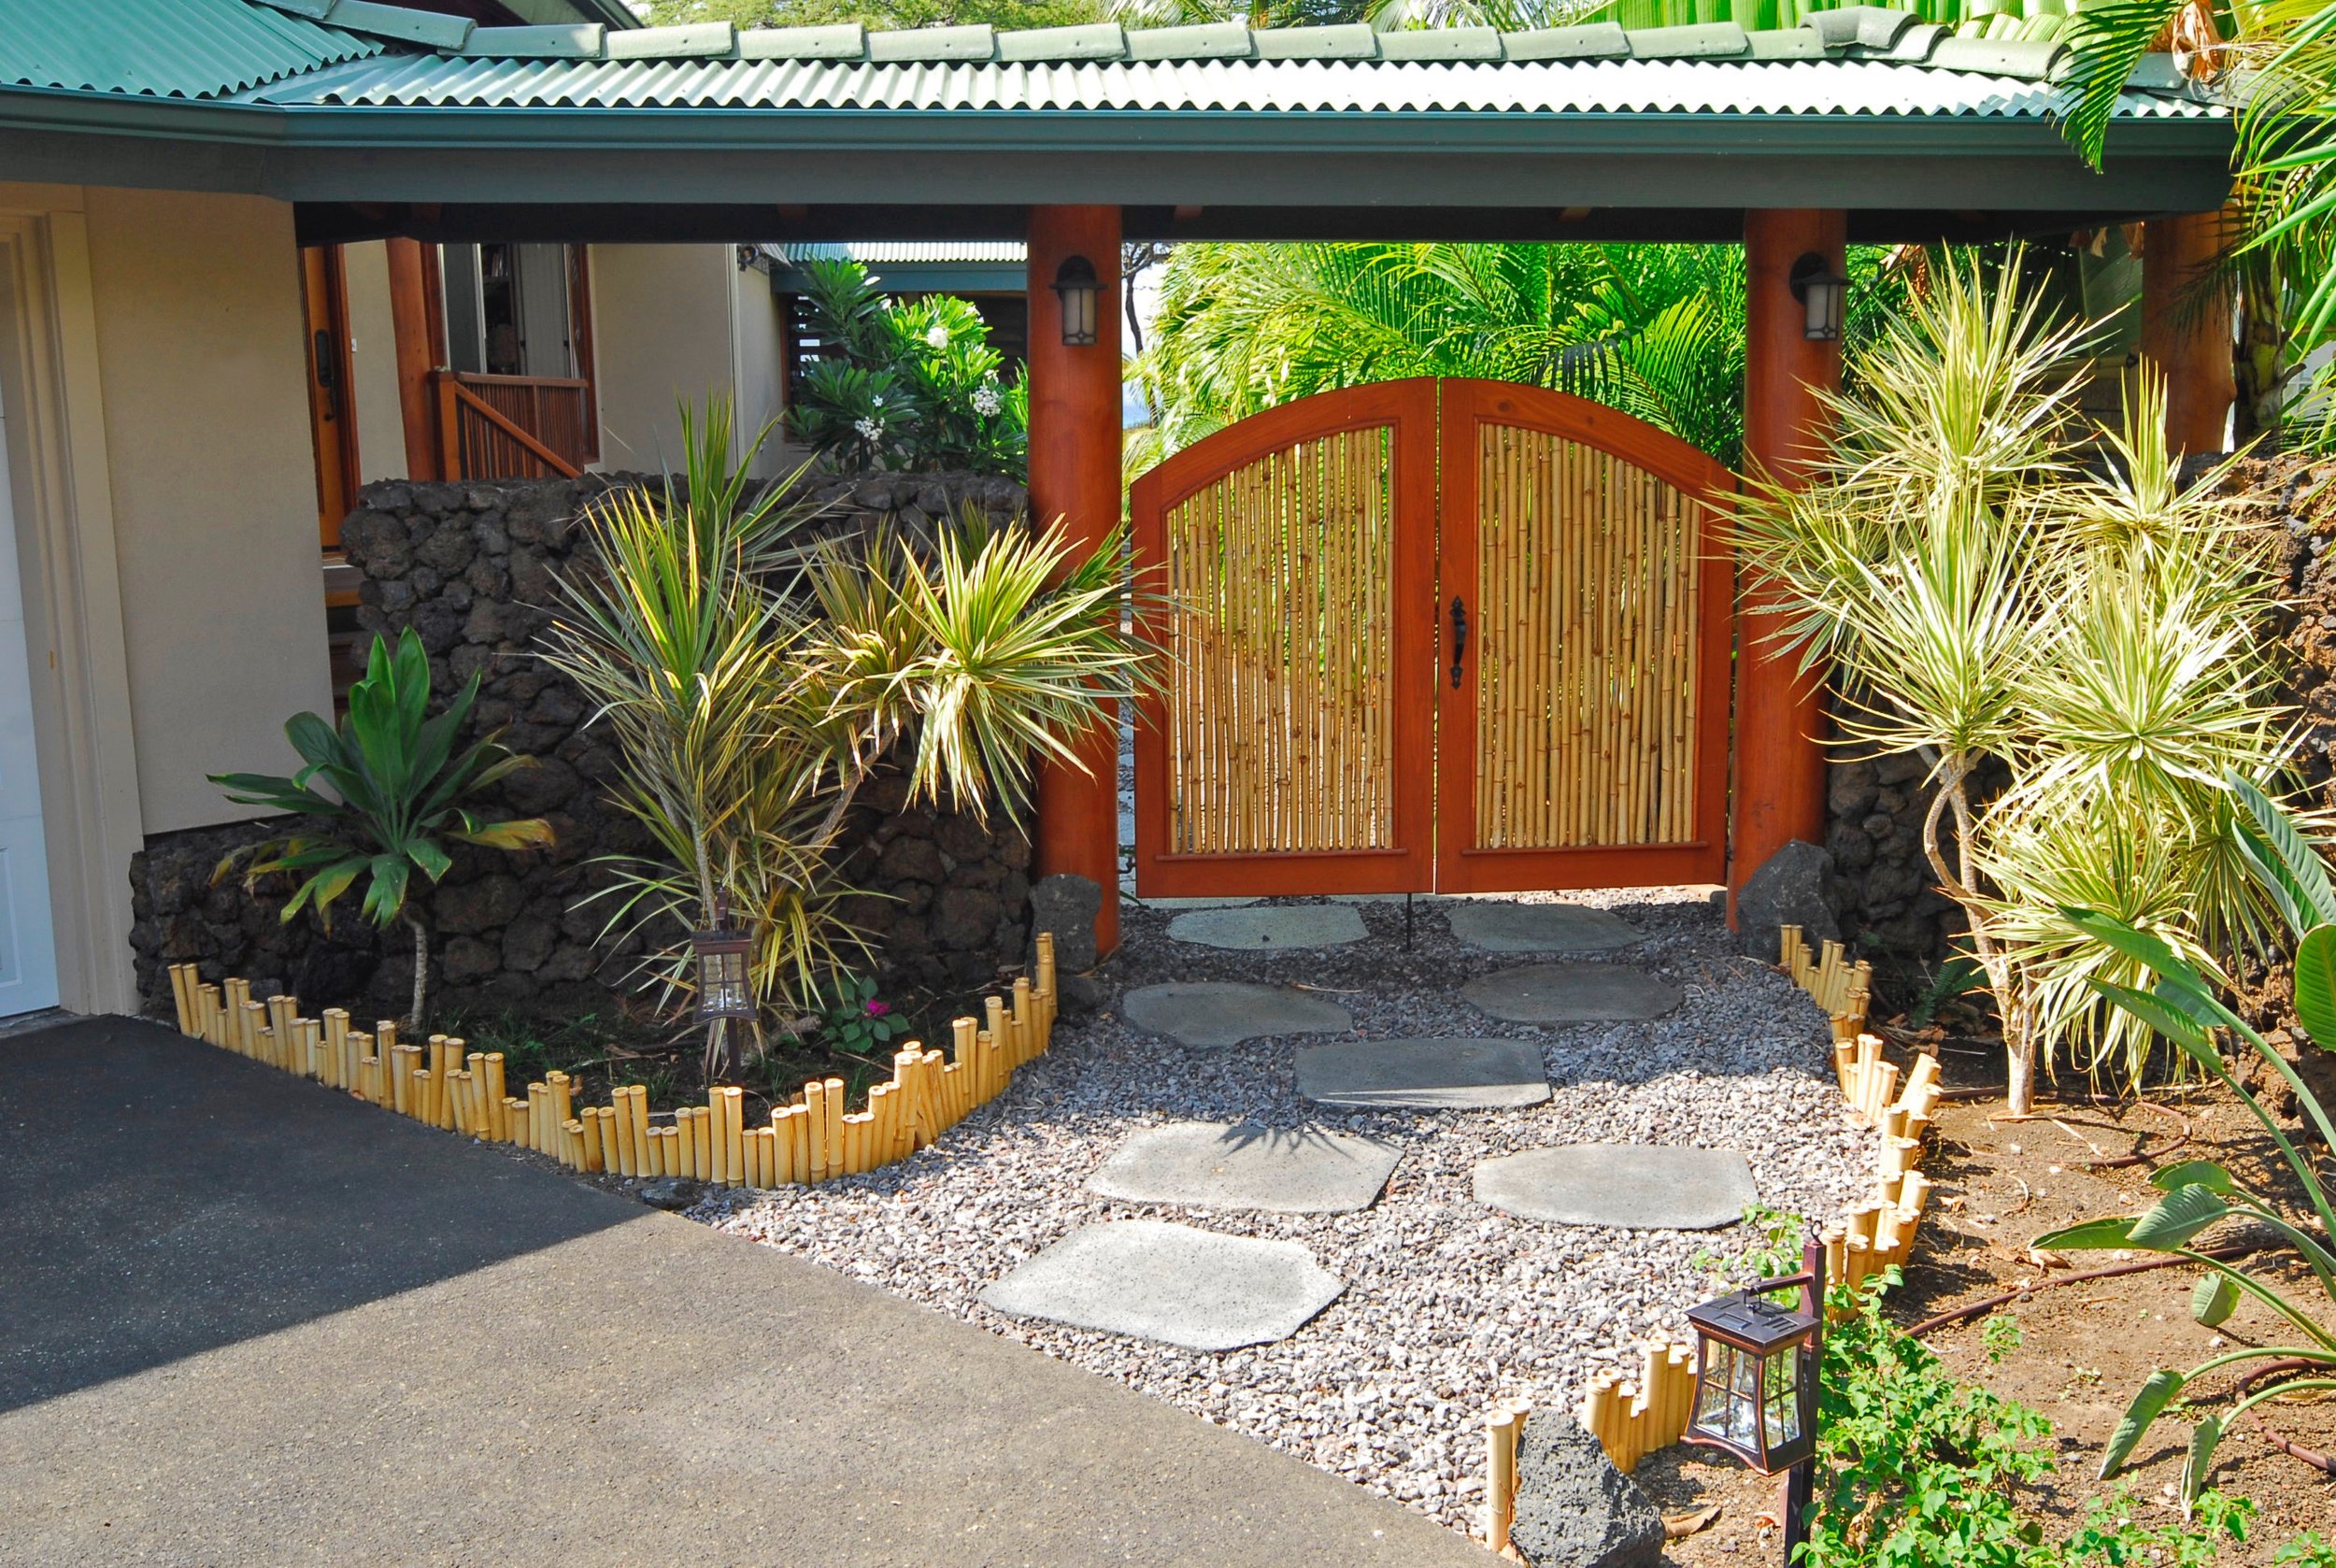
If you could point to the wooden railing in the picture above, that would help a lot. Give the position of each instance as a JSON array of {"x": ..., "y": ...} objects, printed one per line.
[{"x": 514, "y": 427}]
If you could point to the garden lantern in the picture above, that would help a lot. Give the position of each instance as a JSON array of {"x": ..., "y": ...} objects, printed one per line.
[
  {"x": 1824, "y": 296},
  {"x": 1081, "y": 293},
  {"x": 1755, "y": 1379},
  {"x": 723, "y": 990}
]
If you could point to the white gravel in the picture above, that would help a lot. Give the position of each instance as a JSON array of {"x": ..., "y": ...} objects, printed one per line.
[{"x": 1449, "y": 1305}]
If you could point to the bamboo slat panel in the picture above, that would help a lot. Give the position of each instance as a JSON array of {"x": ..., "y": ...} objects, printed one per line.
[
  {"x": 1588, "y": 605},
  {"x": 1279, "y": 730}
]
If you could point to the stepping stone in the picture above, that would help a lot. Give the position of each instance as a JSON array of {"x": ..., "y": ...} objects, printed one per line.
[
  {"x": 1209, "y": 1165},
  {"x": 1438, "y": 1074},
  {"x": 1572, "y": 993},
  {"x": 1538, "y": 928},
  {"x": 1271, "y": 929},
  {"x": 1227, "y": 1012},
  {"x": 1171, "y": 1283},
  {"x": 1632, "y": 1186}
]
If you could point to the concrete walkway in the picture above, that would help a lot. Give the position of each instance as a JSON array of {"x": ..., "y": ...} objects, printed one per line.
[{"x": 245, "y": 1320}]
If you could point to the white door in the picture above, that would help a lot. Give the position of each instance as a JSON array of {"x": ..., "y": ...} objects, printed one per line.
[{"x": 28, "y": 950}]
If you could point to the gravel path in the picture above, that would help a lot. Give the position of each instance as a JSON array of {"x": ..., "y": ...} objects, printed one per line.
[{"x": 1447, "y": 1303}]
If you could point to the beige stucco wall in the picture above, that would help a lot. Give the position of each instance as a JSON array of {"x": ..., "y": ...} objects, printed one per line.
[
  {"x": 661, "y": 333},
  {"x": 199, "y": 340},
  {"x": 755, "y": 352},
  {"x": 373, "y": 362}
]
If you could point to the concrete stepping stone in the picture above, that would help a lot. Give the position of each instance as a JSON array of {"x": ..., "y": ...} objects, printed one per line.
[
  {"x": 1271, "y": 929},
  {"x": 1447, "y": 1074},
  {"x": 1538, "y": 928},
  {"x": 1572, "y": 993},
  {"x": 1207, "y": 1164},
  {"x": 1227, "y": 1012},
  {"x": 1170, "y": 1283},
  {"x": 1632, "y": 1186}
]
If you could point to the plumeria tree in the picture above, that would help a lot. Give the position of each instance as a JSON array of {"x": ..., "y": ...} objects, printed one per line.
[{"x": 915, "y": 384}]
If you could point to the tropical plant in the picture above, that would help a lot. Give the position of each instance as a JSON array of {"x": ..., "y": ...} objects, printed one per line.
[
  {"x": 1654, "y": 330},
  {"x": 2180, "y": 1004},
  {"x": 752, "y": 682},
  {"x": 1985, "y": 599},
  {"x": 394, "y": 785},
  {"x": 916, "y": 385}
]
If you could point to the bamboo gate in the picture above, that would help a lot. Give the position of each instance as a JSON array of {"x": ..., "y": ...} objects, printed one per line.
[{"x": 1434, "y": 635}]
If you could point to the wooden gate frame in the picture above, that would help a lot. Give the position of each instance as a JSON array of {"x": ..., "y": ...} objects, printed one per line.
[
  {"x": 1408, "y": 408},
  {"x": 1467, "y": 405},
  {"x": 1434, "y": 424}
]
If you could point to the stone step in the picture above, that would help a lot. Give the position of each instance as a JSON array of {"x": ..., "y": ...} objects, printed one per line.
[
  {"x": 1441, "y": 1073},
  {"x": 1278, "y": 928},
  {"x": 1171, "y": 1283},
  {"x": 1538, "y": 928},
  {"x": 1227, "y": 1012},
  {"x": 1632, "y": 1186},
  {"x": 1572, "y": 993},
  {"x": 1206, "y": 1164}
]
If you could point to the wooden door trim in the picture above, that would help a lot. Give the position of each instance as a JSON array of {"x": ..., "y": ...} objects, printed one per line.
[
  {"x": 1466, "y": 406},
  {"x": 1406, "y": 408}
]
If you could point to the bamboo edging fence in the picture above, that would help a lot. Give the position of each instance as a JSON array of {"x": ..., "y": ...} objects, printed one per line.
[
  {"x": 1631, "y": 1417},
  {"x": 442, "y": 1083}
]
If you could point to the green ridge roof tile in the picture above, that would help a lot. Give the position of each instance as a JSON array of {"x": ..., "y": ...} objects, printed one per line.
[
  {"x": 1697, "y": 41},
  {"x": 1441, "y": 42},
  {"x": 1595, "y": 41},
  {"x": 842, "y": 41},
  {"x": 1999, "y": 57},
  {"x": 1103, "y": 40},
  {"x": 543, "y": 41},
  {"x": 695, "y": 41},
  {"x": 1212, "y": 40},
  {"x": 426, "y": 28},
  {"x": 1345, "y": 42},
  {"x": 934, "y": 43},
  {"x": 1785, "y": 42}
]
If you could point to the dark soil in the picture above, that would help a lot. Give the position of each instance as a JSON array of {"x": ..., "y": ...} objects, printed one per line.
[{"x": 2085, "y": 1348}]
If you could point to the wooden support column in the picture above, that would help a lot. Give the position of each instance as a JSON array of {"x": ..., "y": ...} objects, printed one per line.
[
  {"x": 1074, "y": 476},
  {"x": 2187, "y": 337},
  {"x": 413, "y": 297},
  {"x": 1780, "y": 758}
]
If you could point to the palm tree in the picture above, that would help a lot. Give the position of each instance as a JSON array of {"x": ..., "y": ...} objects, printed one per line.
[
  {"x": 2280, "y": 256},
  {"x": 1654, "y": 330}
]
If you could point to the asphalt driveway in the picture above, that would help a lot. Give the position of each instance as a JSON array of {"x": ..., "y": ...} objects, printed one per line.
[{"x": 245, "y": 1320}]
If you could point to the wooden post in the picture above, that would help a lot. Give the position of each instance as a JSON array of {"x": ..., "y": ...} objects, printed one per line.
[
  {"x": 411, "y": 266},
  {"x": 2187, "y": 338},
  {"x": 1074, "y": 402},
  {"x": 1780, "y": 759}
]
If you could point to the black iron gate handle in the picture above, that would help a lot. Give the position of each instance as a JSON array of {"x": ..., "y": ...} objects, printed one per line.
[{"x": 1460, "y": 637}]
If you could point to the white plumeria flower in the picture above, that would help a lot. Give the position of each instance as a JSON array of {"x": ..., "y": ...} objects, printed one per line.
[
  {"x": 869, "y": 429},
  {"x": 937, "y": 334},
  {"x": 987, "y": 400}
]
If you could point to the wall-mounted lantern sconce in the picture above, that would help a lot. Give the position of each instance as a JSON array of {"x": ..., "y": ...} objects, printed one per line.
[
  {"x": 1824, "y": 296},
  {"x": 1081, "y": 293}
]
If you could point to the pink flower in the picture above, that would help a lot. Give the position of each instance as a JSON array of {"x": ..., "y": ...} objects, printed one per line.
[{"x": 878, "y": 1009}]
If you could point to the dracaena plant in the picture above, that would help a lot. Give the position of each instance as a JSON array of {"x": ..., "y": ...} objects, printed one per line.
[
  {"x": 2184, "y": 1007},
  {"x": 391, "y": 801}
]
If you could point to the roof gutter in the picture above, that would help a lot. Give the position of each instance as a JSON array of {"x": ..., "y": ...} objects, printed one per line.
[{"x": 339, "y": 153}]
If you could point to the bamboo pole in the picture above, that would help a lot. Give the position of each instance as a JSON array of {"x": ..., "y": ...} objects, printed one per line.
[
  {"x": 595, "y": 1157},
  {"x": 1500, "y": 1438}
]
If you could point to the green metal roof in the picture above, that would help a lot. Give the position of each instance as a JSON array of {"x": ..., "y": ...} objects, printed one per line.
[
  {"x": 413, "y": 121},
  {"x": 167, "y": 49}
]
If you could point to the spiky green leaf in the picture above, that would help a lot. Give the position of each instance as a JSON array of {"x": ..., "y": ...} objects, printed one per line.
[
  {"x": 2213, "y": 1299},
  {"x": 2156, "y": 1391},
  {"x": 2176, "y": 1218}
]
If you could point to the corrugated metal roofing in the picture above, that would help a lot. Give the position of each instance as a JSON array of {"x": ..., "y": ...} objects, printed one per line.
[
  {"x": 166, "y": 49},
  {"x": 1597, "y": 86}
]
